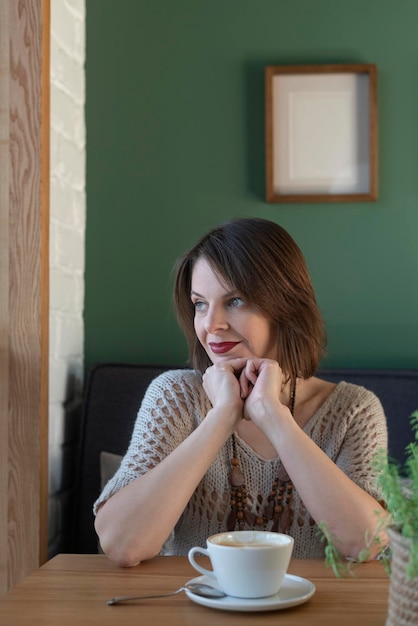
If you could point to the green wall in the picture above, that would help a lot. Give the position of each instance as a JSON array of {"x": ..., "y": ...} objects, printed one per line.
[{"x": 175, "y": 144}]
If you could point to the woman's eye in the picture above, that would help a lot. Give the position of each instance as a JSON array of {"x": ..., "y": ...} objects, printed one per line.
[
  {"x": 198, "y": 305},
  {"x": 235, "y": 302}
]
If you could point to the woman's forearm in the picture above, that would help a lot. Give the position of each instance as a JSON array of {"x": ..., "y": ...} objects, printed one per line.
[
  {"x": 134, "y": 523},
  {"x": 349, "y": 513}
]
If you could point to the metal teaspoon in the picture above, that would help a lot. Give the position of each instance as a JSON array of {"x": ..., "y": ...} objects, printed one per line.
[{"x": 199, "y": 589}]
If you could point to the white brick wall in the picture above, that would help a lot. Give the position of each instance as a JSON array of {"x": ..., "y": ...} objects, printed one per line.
[{"x": 67, "y": 230}]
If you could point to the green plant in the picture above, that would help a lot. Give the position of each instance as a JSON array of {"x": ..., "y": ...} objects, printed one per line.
[{"x": 399, "y": 487}]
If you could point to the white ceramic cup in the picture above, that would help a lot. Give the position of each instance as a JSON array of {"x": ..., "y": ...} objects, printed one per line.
[{"x": 246, "y": 563}]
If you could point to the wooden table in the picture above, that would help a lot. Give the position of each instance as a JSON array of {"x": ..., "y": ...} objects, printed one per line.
[{"x": 73, "y": 589}]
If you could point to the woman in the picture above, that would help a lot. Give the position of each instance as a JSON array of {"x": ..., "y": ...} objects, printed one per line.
[{"x": 250, "y": 438}]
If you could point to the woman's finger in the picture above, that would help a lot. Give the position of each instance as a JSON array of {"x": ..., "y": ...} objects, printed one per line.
[
  {"x": 251, "y": 371},
  {"x": 244, "y": 385}
]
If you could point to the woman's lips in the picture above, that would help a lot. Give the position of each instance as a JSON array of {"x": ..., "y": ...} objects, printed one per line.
[{"x": 223, "y": 346}]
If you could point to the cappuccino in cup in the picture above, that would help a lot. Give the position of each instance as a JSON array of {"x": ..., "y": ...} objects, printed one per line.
[{"x": 246, "y": 563}]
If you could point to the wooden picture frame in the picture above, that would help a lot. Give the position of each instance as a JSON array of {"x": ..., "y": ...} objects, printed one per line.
[{"x": 321, "y": 133}]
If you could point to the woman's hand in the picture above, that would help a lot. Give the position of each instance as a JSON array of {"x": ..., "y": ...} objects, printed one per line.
[
  {"x": 221, "y": 383},
  {"x": 261, "y": 382},
  {"x": 253, "y": 384}
]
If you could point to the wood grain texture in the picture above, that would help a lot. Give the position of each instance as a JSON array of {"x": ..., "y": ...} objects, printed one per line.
[
  {"x": 4, "y": 283},
  {"x": 44, "y": 277},
  {"x": 73, "y": 589},
  {"x": 25, "y": 367}
]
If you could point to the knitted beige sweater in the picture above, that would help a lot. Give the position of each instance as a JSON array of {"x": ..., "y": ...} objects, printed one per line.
[{"x": 349, "y": 427}]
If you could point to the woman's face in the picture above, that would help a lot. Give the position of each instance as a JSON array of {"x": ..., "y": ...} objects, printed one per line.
[{"x": 226, "y": 325}]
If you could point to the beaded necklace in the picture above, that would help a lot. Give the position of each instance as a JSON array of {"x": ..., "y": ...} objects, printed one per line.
[{"x": 280, "y": 504}]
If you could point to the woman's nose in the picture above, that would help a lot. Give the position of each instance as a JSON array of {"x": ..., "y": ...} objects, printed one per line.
[{"x": 215, "y": 320}]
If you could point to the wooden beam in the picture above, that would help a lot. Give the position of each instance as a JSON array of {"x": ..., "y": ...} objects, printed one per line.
[{"x": 24, "y": 155}]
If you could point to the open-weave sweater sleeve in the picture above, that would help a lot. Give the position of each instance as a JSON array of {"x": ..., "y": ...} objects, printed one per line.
[{"x": 349, "y": 427}]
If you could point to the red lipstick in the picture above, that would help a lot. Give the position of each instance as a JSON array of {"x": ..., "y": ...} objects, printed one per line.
[{"x": 222, "y": 346}]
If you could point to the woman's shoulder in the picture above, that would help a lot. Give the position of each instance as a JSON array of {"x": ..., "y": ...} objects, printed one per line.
[
  {"x": 177, "y": 376},
  {"x": 355, "y": 399},
  {"x": 174, "y": 395},
  {"x": 319, "y": 396},
  {"x": 354, "y": 391},
  {"x": 349, "y": 406},
  {"x": 177, "y": 381}
]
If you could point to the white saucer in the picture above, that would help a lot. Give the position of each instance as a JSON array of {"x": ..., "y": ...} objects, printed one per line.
[{"x": 294, "y": 590}]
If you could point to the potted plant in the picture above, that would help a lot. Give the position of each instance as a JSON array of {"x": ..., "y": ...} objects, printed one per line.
[{"x": 399, "y": 487}]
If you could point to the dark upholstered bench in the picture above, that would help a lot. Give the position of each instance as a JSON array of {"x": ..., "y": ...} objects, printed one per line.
[{"x": 113, "y": 393}]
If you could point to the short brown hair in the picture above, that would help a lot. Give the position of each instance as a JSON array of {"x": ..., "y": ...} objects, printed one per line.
[{"x": 260, "y": 260}]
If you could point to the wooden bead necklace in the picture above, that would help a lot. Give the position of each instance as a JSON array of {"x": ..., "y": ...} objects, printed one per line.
[{"x": 280, "y": 504}]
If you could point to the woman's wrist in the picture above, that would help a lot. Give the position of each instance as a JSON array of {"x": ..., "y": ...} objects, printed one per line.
[
  {"x": 274, "y": 419},
  {"x": 228, "y": 415}
]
